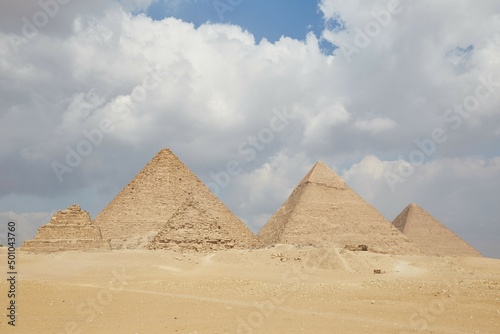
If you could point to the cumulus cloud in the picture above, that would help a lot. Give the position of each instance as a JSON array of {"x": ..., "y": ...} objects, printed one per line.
[
  {"x": 375, "y": 125},
  {"x": 129, "y": 86},
  {"x": 261, "y": 183}
]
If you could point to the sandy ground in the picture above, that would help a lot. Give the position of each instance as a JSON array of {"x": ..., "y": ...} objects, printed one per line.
[{"x": 277, "y": 290}]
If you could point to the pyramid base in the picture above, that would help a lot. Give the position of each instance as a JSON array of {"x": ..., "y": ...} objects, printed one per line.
[{"x": 61, "y": 245}]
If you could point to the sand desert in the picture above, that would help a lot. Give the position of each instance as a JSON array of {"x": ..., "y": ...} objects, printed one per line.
[{"x": 281, "y": 289}]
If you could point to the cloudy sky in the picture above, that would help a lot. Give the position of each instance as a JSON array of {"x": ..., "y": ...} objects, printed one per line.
[{"x": 399, "y": 98}]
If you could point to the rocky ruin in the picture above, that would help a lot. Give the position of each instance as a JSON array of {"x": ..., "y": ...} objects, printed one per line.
[{"x": 68, "y": 230}]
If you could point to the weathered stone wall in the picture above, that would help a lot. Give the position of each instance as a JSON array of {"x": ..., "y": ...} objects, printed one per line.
[
  {"x": 77, "y": 232},
  {"x": 50, "y": 246},
  {"x": 70, "y": 229}
]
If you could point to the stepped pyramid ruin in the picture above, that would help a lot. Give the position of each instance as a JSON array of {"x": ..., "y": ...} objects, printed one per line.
[
  {"x": 322, "y": 211},
  {"x": 69, "y": 229},
  {"x": 167, "y": 206},
  {"x": 432, "y": 237}
]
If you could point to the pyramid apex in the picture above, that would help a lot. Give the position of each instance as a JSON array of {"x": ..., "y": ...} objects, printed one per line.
[
  {"x": 164, "y": 151},
  {"x": 320, "y": 173},
  {"x": 166, "y": 156},
  {"x": 414, "y": 208}
]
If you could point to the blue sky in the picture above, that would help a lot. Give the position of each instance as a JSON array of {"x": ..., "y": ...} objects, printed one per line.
[{"x": 264, "y": 19}]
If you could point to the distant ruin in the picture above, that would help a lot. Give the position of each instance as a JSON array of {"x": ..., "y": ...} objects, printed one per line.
[
  {"x": 68, "y": 230},
  {"x": 431, "y": 236}
]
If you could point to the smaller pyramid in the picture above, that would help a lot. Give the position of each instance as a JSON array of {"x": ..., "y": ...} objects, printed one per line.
[
  {"x": 203, "y": 226},
  {"x": 431, "y": 236},
  {"x": 323, "y": 211},
  {"x": 68, "y": 230}
]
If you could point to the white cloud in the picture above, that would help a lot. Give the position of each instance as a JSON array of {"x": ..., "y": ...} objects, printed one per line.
[
  {"x": 376, "y": 125},
  {"x": 370, "y": 166},
  {"x": 280, "y": 172},
  {"x": 320, "y": 123}
]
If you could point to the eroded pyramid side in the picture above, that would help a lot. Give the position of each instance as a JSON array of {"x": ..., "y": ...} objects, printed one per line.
[
  {"x": 323, "y": 211},
  {"x": 68, "y": 230},
  {"x": 204, "y": 225},
  {"x": 430, "y": 235}
]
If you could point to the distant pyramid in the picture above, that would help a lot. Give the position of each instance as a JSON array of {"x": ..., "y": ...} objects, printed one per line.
[
  {"x": 68, "y": 230},
  {"x": 322, "y": 210},
  {"x": 432, "y": 237},
  {"x": 164, "y": 187}
]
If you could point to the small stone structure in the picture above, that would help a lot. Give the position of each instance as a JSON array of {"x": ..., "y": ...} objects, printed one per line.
[
  {"x": 357, "y": 248},
  {"x": 68, "y": 230}
]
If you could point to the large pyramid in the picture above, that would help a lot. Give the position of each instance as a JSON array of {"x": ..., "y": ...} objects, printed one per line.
[
  {"x": 69, "y": 229},
  {"x": 322, "y": 210},
  {"x": 163, "y": 188},
  {"x": 432, "y": 237}
]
